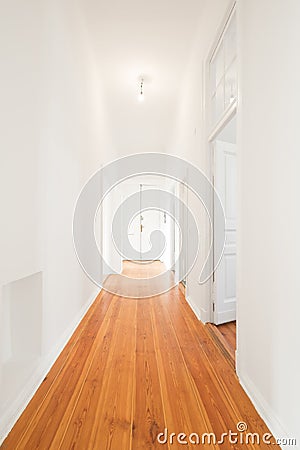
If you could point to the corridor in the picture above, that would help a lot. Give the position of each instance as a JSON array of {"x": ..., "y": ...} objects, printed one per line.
[{"x": 135, "y": 131}]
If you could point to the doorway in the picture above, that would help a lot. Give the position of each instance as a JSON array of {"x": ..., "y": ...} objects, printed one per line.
[
  {"x": 224, "y": 155},
  {"x": 146, "y": 221},
  {"x": 221, "y": 113},
  {"x": 222, "y": 328},
  {"x": 137, "y": 242}
]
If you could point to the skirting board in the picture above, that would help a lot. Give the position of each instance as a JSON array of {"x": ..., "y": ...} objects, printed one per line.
[
  {"x": 16, "y": 408},
  {"x": 262, "y": 407},
  {"x": 200, "y": 313}
]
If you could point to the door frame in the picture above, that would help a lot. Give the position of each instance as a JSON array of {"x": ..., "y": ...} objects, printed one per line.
[
  {"x": 212, "y": 132},
  {"x": 211, "y": 141},
  {"x": 214, "y": 309},
  {"x": 141, "y": 226}
]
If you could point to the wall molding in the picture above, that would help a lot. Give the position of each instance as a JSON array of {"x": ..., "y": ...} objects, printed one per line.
[
  {"x": 261, "y": 405},
  {"x": 16, "y": 408},
  {"x": 200, "y": 313}
]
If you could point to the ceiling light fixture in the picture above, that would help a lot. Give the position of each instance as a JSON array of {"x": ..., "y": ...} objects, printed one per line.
[{"x": 141, "y": 91}]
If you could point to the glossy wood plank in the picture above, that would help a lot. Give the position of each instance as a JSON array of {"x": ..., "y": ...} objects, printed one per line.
[
  {"x": 225, "y": 337},
  {"x": 114, "y": 413},
  {"x": 185, "y": 412},
  {"x": 80, "y": 414},
  {"x": 221, "y": 412},
  {"x": 149, "y": 413}
]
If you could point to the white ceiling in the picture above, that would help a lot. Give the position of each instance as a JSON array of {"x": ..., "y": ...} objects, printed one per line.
[{"x": 133, "y": 38}]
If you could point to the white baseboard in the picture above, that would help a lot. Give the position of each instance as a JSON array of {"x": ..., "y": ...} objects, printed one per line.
[
  {"x": 200, "y": 313},
  {"x": 263, "y": 408},
  {"x": 15, "y": 409}
]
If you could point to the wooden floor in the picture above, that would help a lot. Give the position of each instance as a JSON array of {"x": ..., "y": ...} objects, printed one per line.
[
  {"x": 224, "y": 336},
  {"x": 133, "y": 368}
]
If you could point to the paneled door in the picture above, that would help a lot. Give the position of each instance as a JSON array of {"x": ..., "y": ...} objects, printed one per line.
[
  {"x": 145, "y": 222},
  {"x": 225, "y": 182}
]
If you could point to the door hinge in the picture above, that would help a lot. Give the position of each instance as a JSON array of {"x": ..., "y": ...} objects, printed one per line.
[{"x": 213, "y": 307}]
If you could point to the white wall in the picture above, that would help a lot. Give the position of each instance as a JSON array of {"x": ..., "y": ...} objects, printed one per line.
[
  {"x": 269, "y": 219},
  {"x": 53, "y": 136}
]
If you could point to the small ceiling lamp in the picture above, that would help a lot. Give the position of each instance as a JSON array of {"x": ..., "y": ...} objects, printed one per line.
[{"x": 141, "y": 90}]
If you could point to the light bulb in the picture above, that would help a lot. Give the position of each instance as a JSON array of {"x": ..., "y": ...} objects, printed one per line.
[{"x": 141, "y": 94}]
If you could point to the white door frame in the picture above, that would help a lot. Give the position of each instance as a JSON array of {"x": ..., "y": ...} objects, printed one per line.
[
  {"x": 224, "y": 304},
  {"x": 227, "y": 116}
]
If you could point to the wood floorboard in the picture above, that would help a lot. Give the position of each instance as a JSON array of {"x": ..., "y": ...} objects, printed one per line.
[
  {"x": 224, "y": 337},
  {"x": 133, "y": 368},
  {"x": 184, "y": 409},
  {"x": 114, "y": 415},
  {"x": 219, "y": 412},
  {"x": 149, "y": 414},
  {"x": 81, "y": 412}
]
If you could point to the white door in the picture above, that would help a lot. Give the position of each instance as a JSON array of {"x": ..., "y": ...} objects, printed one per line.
[
  {"x": 142, "y": 225},
  {"x": 225, "y": 181}
]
